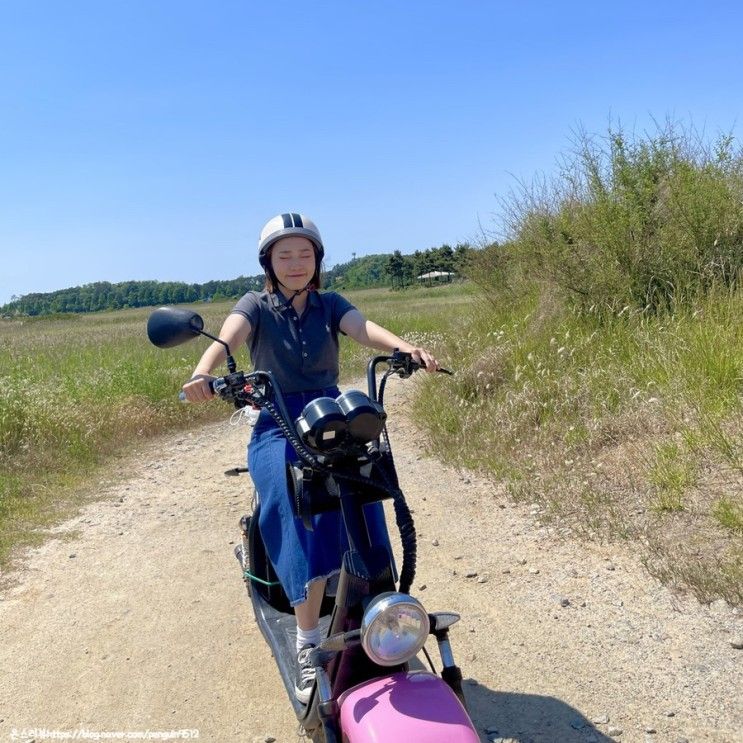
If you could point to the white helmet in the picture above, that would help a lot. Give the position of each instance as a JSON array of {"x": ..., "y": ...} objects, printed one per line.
[{"x": 285, "y": 225}]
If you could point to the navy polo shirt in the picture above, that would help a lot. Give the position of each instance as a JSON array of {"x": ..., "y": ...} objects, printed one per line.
[{"x": 300, "y": 351}]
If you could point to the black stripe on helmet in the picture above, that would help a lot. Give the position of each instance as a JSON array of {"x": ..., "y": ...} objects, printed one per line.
[
  {"x": 297, "y": 220},
  {"x": 287, "y": 220}
]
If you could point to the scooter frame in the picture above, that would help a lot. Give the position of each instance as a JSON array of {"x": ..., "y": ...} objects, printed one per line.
[{"x": 366, "y": 572}]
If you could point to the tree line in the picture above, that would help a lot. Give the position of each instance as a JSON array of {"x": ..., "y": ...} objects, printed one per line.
[
  {"x": 103, "y": 295},
  {"x": 375, "y": 270},
  {"x": 405, "y": 270}
]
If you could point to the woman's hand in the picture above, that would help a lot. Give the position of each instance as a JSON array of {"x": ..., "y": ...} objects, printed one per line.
[
  {"x": 426, "y": 359},
  {"x": 235, "y": 331},
  {"x": 197, "y": 388}
]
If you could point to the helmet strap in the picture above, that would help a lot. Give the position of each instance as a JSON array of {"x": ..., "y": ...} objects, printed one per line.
[{"x": 287, "y": 302}]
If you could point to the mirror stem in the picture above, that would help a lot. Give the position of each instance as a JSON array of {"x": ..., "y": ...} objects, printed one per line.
[{"x": 231, "y": 365}]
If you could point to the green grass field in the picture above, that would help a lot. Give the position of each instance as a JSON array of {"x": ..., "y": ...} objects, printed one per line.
[
  {"x": 77, "y": 389},
  {"x": 629, "y": 428}
]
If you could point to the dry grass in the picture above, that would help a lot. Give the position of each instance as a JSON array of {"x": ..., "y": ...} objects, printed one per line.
[{"x": 628, "y": 429}]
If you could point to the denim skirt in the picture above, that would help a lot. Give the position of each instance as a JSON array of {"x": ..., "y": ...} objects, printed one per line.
[{"x": 299, "y": 556}]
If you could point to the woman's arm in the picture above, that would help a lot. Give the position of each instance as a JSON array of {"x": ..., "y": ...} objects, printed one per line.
[
  {"x": 235, "y": 331},
  {"x": 368, "y": 333}
]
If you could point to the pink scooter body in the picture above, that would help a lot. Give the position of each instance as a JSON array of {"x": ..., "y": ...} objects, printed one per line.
[{"x": 407, "y": 707}]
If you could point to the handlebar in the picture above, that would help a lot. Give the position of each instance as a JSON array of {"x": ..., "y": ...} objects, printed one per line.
[
  {"x": 259, "y": 387},
  {"x": 236, "y": 386},
  {"x": 400, "y": 363}
]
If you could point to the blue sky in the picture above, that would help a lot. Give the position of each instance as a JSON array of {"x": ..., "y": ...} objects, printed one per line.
[{"x": 151, "y": 140}]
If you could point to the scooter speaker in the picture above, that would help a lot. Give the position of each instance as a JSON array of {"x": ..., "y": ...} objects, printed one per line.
[
  {"x": 365, "y": 418},
  {"x": 322, "y": 425}
]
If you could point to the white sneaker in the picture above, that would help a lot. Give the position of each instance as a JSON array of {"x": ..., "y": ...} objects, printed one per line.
[{"x": 305, "y": 678}]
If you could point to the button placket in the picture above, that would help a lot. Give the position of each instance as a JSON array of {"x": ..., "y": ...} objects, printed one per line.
[
  {"x": 298, "y": 327},
  {"x": 301, "y": 338}
]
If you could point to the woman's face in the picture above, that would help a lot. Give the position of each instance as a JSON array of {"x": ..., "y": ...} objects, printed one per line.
[{"x": 293, "y": 261}]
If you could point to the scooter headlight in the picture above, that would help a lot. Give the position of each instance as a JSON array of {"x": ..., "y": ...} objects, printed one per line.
[{"x": 394, "y": 628}]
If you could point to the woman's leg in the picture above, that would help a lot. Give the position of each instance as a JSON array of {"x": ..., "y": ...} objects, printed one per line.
[
  {"x": 308, "y": 635},
  {"x": 308, "y": 612},
  {"x": 298, "y": 556}
]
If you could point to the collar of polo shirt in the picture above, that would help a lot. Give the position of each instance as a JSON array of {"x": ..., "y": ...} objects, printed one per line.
[{"x": 278, "y": 300}]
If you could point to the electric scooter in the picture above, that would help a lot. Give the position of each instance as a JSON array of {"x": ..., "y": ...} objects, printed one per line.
[{"x": 368, "y": 688}]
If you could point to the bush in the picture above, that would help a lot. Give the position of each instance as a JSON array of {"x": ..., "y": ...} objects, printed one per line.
[{"x": 632, "y": 222}]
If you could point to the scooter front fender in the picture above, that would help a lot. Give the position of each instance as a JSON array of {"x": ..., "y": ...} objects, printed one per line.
[{"x": 414, "y": 706}]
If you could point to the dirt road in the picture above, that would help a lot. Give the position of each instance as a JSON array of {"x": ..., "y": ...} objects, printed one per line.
[{"x": 133, "y": 616}]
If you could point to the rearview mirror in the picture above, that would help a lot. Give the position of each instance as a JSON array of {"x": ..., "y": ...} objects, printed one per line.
[{"x": 169, "y": 326}]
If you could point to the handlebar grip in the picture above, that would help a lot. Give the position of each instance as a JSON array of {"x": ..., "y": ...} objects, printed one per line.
[
  {"x": 441, "y": 369},
  {"x": 182, "y": 394}
]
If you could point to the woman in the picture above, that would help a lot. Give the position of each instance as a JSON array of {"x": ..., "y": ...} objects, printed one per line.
[{"x": 292, "y": 330}]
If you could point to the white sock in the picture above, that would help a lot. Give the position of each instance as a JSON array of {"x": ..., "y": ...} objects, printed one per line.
[{"x": 308, "y": 637}]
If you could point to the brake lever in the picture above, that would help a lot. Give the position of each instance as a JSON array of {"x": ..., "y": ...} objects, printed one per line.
[{"x": 404, "y": 366}]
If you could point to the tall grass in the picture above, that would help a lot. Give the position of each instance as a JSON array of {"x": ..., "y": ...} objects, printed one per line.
[
  {"x": 623, "y": 426},
  {"x": 643, "y": 222},
  {"x": 422, "y": 315},
  {"x": 603, "y": 374},
  {"x": 75, "y": 389}
]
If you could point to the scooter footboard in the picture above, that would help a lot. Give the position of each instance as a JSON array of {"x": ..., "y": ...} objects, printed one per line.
[{"x": 405, "y": 707}]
